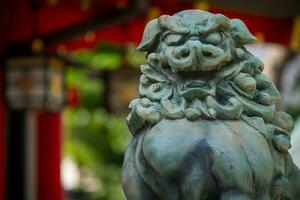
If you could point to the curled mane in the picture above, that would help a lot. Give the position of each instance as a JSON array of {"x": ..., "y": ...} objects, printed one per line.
[{"x": 235, "y": 90}]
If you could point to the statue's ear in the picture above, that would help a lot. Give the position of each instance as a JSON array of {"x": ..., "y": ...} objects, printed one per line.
[
  {"x": 150, "y": 36},
  {"x": 223, "y": 21},
  {"x": 240, "y": 32}
]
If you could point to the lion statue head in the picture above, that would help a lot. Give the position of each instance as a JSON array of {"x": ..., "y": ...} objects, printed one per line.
[
  {"x": 195, "y": 40},
  {"x": 198, "y": 68}
]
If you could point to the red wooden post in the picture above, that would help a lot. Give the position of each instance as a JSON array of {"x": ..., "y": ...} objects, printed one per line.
[{"x": 49, "y": 156}]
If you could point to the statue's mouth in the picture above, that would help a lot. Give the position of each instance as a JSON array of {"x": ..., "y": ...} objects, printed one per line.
[{"x": 196, "y": 89}]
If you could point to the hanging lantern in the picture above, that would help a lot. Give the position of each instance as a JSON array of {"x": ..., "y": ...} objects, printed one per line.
[
  {"x": 35, "y": 82},
  {"x": 119, "y": 88}
]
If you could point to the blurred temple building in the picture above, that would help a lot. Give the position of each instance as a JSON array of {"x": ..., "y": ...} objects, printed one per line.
[{"x": 41, "y": 39}]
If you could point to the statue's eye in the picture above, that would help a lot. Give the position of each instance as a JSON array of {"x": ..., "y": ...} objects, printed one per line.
[
  {"x": 173, "y": 39},
  {"x": 214, "y": 38}
]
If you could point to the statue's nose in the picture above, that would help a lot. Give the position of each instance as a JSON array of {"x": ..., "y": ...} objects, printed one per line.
[
  {"x": 202, "y": 50},
  {"x": 209, "y": 50},
  {"x": 195, "y": 47},
  {"x": 194, "y": 38}
]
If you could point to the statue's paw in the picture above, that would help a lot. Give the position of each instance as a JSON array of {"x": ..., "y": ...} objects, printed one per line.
[
  {"x": 280, "y": 185},
  {"x": 282, "y": 143}
]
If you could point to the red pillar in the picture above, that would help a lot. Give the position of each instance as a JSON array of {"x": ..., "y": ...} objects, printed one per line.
[
  {"x": 2, "y": 136},
  {"x": 49, "y": 156}
]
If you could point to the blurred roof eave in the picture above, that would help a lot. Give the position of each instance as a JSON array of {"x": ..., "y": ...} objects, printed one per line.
[{"x": 268, "y": 8}]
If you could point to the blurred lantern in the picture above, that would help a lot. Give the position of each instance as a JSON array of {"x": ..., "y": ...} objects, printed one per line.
[
  {"x": 120, "y": 87},
  {"x": 85, "y": 5},
  {"x": 37, "y": 45},
  {"x": 295, "y": 37},
  {"x": 35, "y": 82},
  {"x": 201, "y": 5},
  {"x": 154, "y": 12}
]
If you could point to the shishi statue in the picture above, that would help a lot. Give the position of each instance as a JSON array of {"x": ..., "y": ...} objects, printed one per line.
[{"x": 207, "y": 123}]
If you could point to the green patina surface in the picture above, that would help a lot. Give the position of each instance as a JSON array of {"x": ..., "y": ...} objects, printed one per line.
[{"x": 207, "y": 124}]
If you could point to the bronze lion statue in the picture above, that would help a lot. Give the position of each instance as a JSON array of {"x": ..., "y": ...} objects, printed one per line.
[{"x": 207, "y": 123}]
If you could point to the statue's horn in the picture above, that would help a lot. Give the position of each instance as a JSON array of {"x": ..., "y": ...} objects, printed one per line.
[
  {"x": 215, "y": 22},
  {"x": 150, "y": 36},
  {"x": 240, "y": 32},
  {"x": 172, "y": 23}
]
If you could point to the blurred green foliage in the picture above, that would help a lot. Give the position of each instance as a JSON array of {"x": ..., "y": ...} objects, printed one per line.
[
  {"x": 103, "y": 60},
  {"x": 110, "y": 56},
  {"x": 94, "y": 139}
]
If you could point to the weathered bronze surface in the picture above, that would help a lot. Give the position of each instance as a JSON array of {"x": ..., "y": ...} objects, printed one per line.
[{"x": 207, "y": 124}]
